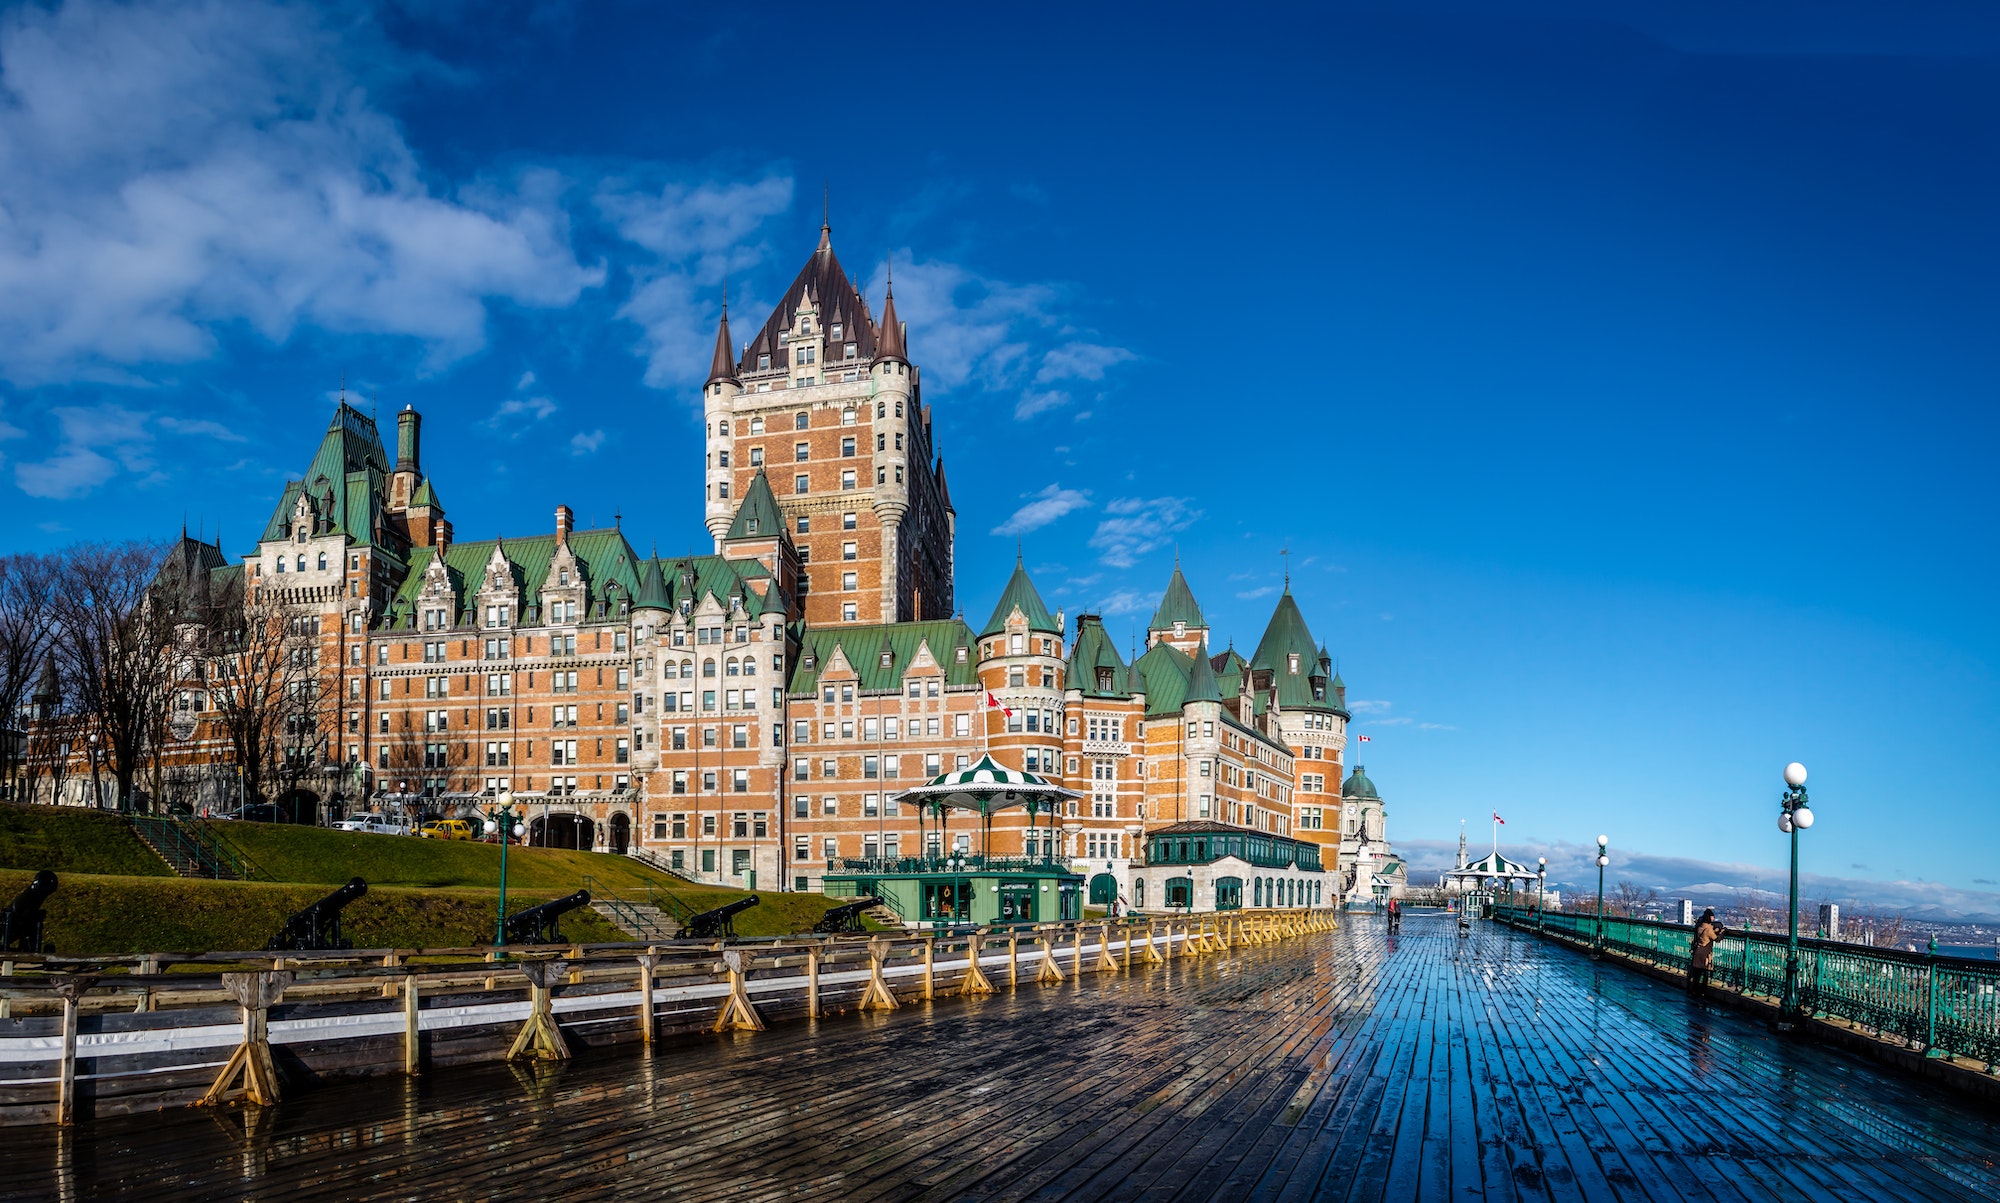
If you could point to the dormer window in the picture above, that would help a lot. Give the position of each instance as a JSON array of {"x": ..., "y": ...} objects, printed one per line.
[
  {"x": 888, "y": 659},
  {"x": 562, "y": 576},
  {"x": 1104, "y": 680},
  {"x": 751, "y": 526},
  {"x": 763, "y": 363},
  {"x": 849, "y": 352},
  {"x": 834, "y": 334},
  {"x": 961, "y": 655},
  {"x": 1292, "y": 662},
  {"x": 1180, "y": 628}
]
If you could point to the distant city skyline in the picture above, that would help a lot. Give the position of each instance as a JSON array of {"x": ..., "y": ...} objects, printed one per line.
[{"x": 1619, "y": 380}]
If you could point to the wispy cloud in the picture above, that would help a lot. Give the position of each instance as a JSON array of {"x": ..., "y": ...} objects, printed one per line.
[
  {"x": 167, "y": 169},
  {"x": 1369, "y": 706},
  {"x": 97, "y": 442},
  {"x": 1043, "y": 508},
  {"x": 586, "y": 442},
  {"x": 1129, "y": 601},
  {"x": 697, "y": 234},
  {"x": 1135, "y": 526},
  {"x": 1254, "y": 594},
  {"x": 516, "y": 415}
]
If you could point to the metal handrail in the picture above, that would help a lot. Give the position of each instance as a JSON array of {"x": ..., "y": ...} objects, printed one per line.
[
  {"x": 1949, "y": 1006},
  {"x": 944, "y": 864}
]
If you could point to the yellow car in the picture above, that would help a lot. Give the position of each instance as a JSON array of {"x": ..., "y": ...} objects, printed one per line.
[{"x": 448, "y": 829}]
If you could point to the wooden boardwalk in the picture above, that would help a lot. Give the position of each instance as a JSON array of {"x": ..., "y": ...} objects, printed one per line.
[{"x": 1351, "y": 1066}]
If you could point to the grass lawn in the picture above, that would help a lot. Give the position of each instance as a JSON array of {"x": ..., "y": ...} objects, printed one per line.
[
  {"x": 70, "y": 839},
  {"x": 95, "y": 914},
  {"x": 288, "y": 853}
]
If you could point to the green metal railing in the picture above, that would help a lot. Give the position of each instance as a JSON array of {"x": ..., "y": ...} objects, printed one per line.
[
  {"x": 624, "y": 904},
  {"x": 195, "y": 849},
  {"x": 863, "y": 887},
  {"x": 1945, "y": 1005}
]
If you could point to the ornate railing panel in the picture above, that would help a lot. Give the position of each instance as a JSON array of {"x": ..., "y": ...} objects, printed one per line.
[{"x": 1948, "y": 1005}]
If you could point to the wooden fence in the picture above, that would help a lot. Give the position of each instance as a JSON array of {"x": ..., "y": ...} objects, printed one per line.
[{"x": 118, "y": 1035}]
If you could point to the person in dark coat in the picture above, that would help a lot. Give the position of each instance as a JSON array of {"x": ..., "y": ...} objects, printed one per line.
[{"x": 1701, "y": 956}]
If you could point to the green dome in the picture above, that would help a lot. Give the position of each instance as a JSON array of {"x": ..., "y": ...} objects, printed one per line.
[{"x": 1359, "y": 786}]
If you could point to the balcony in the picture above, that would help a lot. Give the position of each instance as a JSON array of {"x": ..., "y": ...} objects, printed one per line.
[
  {"x": 1106, "y": 747},
  {"x": 948, "y": 865}
]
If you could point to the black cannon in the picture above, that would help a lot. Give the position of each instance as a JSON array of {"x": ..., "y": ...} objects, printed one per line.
[
  {"x": 317, "y": 928},
  {"x": 719, "y": 922},
  {"x": 21, "y": 922},
  {"x": 537, "y": 924},
  {"x": 845, "y": 919}
]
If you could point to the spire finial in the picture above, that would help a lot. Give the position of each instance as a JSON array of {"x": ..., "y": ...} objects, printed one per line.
[
  {"x": 889, "y": 267},
  {"x": 826, "y": 219},
  {"x": 1286, "y": 552},
  {"x": 1017, "y": 553}
]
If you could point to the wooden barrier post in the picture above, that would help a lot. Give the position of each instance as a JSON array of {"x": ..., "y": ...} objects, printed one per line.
[
  {"x": 1050, "y": 971},
  {"x": 975, "y": 978},
  {"x": 877, "y": 996},
  {"x": 71, "y": 991},
  {"x": 491, "y": 981},
  {"x": 412, "y": 1027},
  {"x": 1188, "y": 946},
  {"x": 812, "y": 981},
  {"x": 540, "y": 1038},
  {"x": 149, "y": 966},
  {"x": 1153, "y": 956},
  {"x": 930, "y": 964},
  {"x": 1013, "y": 959},
  {"x": 249, "y": 1074},
  {"x": 390, "y": 961},
  {"x": 1105, "y": 962},
  {"x": 737, "y": 1014},
  {"x": 1076, "y": 951},
  {"x": 646, "y": 963}
]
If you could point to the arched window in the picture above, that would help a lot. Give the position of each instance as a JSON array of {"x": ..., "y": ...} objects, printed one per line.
[
  {"x": 1258, "y": 892},
  {"x": 730, "y": 668},
  {"x": 749, "y": 666},
  {"x": 799, "y": 420},
  {"x": 708, "y": 668},
  {"x": 302, "y": 562},
  {"x": 281, "y": 563},
  {"x": 322, "y": 561},
  {"x": 881, "y": 409},
  {"x": 687, "y": 670}
]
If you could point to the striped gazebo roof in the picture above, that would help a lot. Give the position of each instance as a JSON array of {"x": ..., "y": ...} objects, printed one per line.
[{"x": 987, "y": 785}]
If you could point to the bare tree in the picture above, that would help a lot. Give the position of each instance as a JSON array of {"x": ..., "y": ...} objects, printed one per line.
[
  {"x": 116, "y": 650},
  {"x": 26, "y": 621},
  {"x": 51, "y": 733},
  {"x": 272, "y": 698},
  {"x": 1628, "y": 899}
]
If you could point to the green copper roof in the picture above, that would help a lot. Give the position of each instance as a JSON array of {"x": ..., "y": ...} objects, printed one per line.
[
  {"x": 1229, "y": 675},
  {"x": 1094, "y": 652},
  {"x": 863, "y": 646},
  {"x": 652, "y": 588},
  {"x": 1164, "y": 670},
  {"x": 1177, "y": 605},
  {"x": 1359, "y": 786},
  {"x": 1020, "y": 595},
  {"x": 1201, "y": 679},
  {"x": 757, "y": 517},
  {"x": 1287, "y": 638},
  {"x": 344, "y": 480},
  {"x": 426, "y": 495},
  {"x": 605, "y": 560}
]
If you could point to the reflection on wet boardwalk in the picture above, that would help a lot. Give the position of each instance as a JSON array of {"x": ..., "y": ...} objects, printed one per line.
[{"x": 1346, "y": 1066}]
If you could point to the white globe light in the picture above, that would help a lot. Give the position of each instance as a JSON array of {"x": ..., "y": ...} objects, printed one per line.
[
  {"x": 1603, "y": 840},
  {"x": 1543, "y": 860},
  {"x": 491, "y": 826},
  {"x": 1795, "y": 774},
  {"x": 1785, "y": 821},
  {"x": 1603, "y": 861},
  {"x": 1802, "y": 817},
  {"x": 519, "y": 831}
]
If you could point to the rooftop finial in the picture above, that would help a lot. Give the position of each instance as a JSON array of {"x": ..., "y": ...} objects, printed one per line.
[
  {"x": 1286, "y": 553},
  {"x": 826, "y": 218}
]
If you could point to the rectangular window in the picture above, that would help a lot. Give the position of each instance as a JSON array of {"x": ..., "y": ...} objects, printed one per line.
[
  {"x": 846, "y": 481},
  {"x": 802, "y": 484}
]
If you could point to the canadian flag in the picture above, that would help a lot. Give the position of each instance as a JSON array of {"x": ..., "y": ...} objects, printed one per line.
[
  {"x": 993, "y": 703},
  {"x": 1367, "y": 739},
  {"x": 1498, "y": 819}
]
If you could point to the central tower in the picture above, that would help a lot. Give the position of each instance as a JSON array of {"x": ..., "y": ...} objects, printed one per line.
[{"x": 825, "y": 402}]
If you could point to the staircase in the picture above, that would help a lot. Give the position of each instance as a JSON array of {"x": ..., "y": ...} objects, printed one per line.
[
  {"x": 883, "y": 914},
  {"x": 640, "y": 920},
  {"x": 653, "y": 860},
  {"x": 191, "y": 849}
]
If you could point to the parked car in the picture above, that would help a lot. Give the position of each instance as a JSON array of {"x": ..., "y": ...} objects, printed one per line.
[
  {"x": 447, "y": 829},
  {"x": 374, "y": 824},
  {"x": 262, "y": 812}
]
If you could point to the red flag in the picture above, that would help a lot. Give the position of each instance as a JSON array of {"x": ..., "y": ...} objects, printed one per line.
[
  {"x": 1498, "y": 819},
  {"x": 1367, "y": 739},
  {"x": 993, "y": 703}
]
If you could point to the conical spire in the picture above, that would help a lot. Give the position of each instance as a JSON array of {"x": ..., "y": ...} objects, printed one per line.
[
  {"x": 1020, "y": 595},
  {"x": 1202, "y": 686},
  {"x": 1177, "y": 605},
  {"x": 723, "y": 365},
  {"x": 889, "y": 343},
  {"x": 653, "y": 587}
]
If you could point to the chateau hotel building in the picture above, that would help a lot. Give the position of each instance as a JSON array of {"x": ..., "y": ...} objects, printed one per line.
[{"x": 747, "y": 716}]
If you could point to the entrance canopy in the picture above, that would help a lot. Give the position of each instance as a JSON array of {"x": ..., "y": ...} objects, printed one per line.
[{"x": 988, "y": 786}]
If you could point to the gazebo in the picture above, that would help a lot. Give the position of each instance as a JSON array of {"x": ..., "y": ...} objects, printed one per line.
[{"x": 949, "y": 884}]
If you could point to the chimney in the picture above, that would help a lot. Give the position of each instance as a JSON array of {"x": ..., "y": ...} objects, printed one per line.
[
  {"x": 441, "y": 536},
  {"x": 409, "y": 430},
  {"x": 565, "y": 522}
]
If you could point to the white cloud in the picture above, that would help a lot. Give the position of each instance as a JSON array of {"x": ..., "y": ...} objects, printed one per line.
[
  {"x": 1436, "y": 727},
  {"x": 586, "y": 442},
  {"x": 1136, "y": 526},
  {"x": 515, "y": 415},
  {"x": 697, "y": 235},
  {"x": 1253, "y": 594},
  {"x": 97, "y": 442},
  {"x": 1368, "y": 706},
  {"x": 201, "y": 427},
  {"x": 1043, "y": 508},
  {"x": 1129, "y": 601},
  {"x": 972, "y": 331},
  {"x": 170, "y": 168}
]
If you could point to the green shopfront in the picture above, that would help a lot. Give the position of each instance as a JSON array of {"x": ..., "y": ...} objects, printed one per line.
[{"x": 1209, "y": 866}]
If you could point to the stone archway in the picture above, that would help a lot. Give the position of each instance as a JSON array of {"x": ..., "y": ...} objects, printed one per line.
[
  {"x": 298, "y": 806},
  {"x": 621, "y": 833},
  {"x": 562, "y": 830}
]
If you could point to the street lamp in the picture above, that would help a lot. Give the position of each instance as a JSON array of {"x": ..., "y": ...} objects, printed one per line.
[
  {"x": 1794, "y": 816},
  {"x": 1603, "y": 859},
  {"x": 502, "y": 822},
  {"x": 96, "y": 790},
  {"x": 1541, "y": 879},
  {"x": 956, "y": 862}
]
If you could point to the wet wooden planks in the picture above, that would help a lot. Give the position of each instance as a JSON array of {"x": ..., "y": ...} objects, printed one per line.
[{"x": 1351, "y": 1066}]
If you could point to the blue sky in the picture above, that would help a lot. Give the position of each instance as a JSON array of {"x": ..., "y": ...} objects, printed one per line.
[{"x": 1620, "y": 378}]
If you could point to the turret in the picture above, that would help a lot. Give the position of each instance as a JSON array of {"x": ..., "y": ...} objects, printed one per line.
[
  {"x": 409, "y": 467},
  {"x": 894, "y": 441},
  {"x": 718, "y": 402}
]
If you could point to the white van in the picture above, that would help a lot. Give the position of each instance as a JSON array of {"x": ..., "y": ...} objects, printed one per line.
[{"x": 375, "y": 825}]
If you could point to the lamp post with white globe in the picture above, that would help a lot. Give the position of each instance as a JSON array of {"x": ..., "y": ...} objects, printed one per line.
[
  {"x": 1541, "y": 880},
  {"x": 1793, "y": 817},
  {"x": 503, "y": 822},
  {"x": 1603, "y": 859}
]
